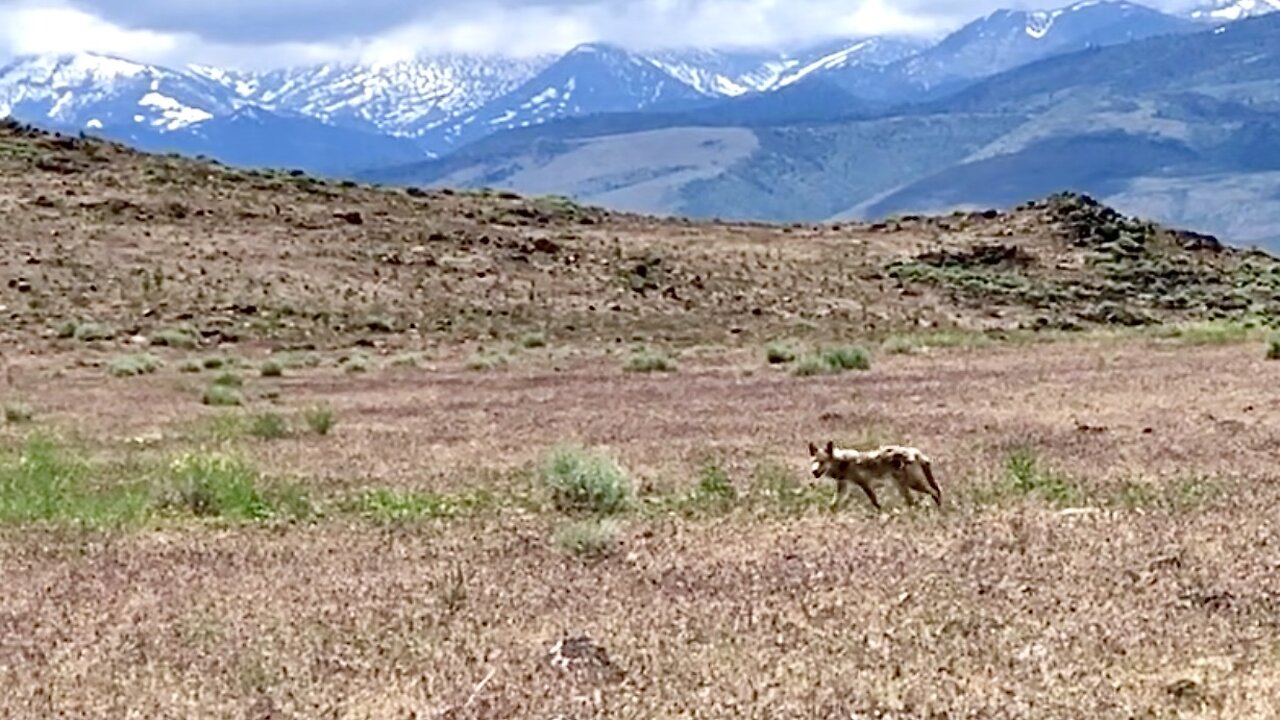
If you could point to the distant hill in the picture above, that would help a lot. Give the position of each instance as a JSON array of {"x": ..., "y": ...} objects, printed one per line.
[{"x": 1179, "y": 115}]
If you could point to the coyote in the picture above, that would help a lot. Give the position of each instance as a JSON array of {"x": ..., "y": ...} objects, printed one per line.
[{"x": 909, "y": 468}]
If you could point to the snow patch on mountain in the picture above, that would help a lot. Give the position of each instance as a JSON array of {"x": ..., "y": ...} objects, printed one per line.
[
  {"x": 1231, "y": 10},
  {"x": 173, "y": 115},
  {"x": 406, "y": 98}
]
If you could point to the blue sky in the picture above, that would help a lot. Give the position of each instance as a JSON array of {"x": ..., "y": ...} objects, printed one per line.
[{"x": 287, "y": 32}]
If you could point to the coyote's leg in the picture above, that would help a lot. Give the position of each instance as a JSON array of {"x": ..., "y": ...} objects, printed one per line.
[
  {"x": 904, "y": 486},
  {"x": 866, "y": 488},
  {"x": 841, "y": 486}
]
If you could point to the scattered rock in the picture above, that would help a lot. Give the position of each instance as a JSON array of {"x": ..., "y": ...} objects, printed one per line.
[
  {"x": 982, "y": 255},
  {"x": 581, "y": 656},
  {"x": 543, "y": 245}
]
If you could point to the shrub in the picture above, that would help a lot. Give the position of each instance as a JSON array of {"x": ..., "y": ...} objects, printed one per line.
[
  {"x": 215, "y": 363},
  {"x": 91, "y": 332},
  {"x": 811, "y": 365},
  {"x": 190, "y": 365},
  {"x": 534, "y": 340},
  {"x": 268, "y": 426},
  {"x": 1273, "y": 349},
  {"x": 132, "y": 365},
  {"x": 847, "y": 358},
  {"x": 647, "y": 361},
  {"x": 228, "y": 379},
  {"x": 320, "y": 419},
  {"x": 589, "y": 539},
  {"x": 174, "y": 337},
  {"x": 583, "y": 480},
  {"x": 714, "y": 485},
  {"x": 271, "y": 369},
  {"x": 778, "y": 354},
  {"x": 833, "y": 360},
  {"x": 221, "y": 396},
  {"x": 18, "y": 413},
  {"x": 356, "y": 362},
  {"x": 210, "y": 484},
  {"x": 900, "y": 345},
  {"x": 406, "y": 360},
  {"x": 486, "y": 361}
]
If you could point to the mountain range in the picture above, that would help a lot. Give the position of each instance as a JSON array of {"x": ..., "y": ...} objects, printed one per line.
[{"x": 847, "y": 127}]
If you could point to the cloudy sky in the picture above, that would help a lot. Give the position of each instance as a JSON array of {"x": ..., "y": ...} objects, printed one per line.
[{"x": 287, "y": 32}]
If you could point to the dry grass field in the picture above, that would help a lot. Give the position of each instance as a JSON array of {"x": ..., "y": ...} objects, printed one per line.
[{"x": 249, "y": 470}]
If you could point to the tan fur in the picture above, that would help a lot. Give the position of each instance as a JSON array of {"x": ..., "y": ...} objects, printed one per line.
[{"x": 909, "y": 468}]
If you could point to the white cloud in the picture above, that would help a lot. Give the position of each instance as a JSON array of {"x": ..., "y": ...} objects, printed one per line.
[
  {"x": 262, "y": 33},
  {"x": 38, "y": 28}
]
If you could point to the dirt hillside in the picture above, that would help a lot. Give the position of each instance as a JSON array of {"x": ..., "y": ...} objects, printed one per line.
[{"x": 127, "y": 243}]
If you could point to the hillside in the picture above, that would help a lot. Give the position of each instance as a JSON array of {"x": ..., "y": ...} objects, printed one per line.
[
  {"x": 101, "y": 237},
  {"x": 1176, "y": 127}
]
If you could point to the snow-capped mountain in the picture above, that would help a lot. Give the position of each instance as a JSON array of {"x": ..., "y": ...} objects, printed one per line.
[
  {"x": 850, "y": 55},
  {"x": 407, "y": 98},
  {"x": 736, "y": 73},
  {"x": 95, "y": 91},
  {"x": 1230, "y": 10},
  {"x": 436, "y": 104},
  {"x": 591, "y": 78},
  {"x": 1006, "y": 39}
]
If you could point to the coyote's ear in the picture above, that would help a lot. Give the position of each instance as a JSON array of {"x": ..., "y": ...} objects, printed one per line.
[
  {"x": 831, "y": 448},
  {"x": 813, "y": 449}
]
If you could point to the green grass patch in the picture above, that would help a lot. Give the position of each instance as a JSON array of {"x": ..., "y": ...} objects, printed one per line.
[
  {"x": 268, "y": 426},
  {"x": 533, "y": 340},
  {"x": 406, "y": 360},
  {"x": 356, "y": 362},
  {"x": 175, "y": 338},
  {"x": 847, "y": 358},
  {"x": 1025, "y": 475},
  {"x": 90, "y": 331},
  {"x": 588, "y": 539},
  {"x": 649, "y": 361},
  {"x": 228, "y": 380},
  {"x": 1185, "y": 493},
  {"x": 714, "y": 487},
  {"x": 320, "y": 419},
  {"x": 581, "y": 480},
  {"x": 43, "y": 481},
  {"x": 295, "y": 360},
  {"x": 221, "y": 396},
  {"x": 830, "y": 361},
  {"x": 1208, "y": 333},
  {"x": 134, "y": 365},
  {"x": 486, "y": 360},
  {"x": 214, "y": 484}
]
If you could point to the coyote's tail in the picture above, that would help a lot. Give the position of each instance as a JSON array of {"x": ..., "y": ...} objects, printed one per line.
[{"x": 928, "y": 475}]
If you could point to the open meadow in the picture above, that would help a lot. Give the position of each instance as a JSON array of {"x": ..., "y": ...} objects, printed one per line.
[{"x": 291, "y": 451}]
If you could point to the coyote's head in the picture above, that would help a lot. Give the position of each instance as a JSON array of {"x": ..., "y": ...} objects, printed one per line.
[{"x": 822, "y": 458}]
